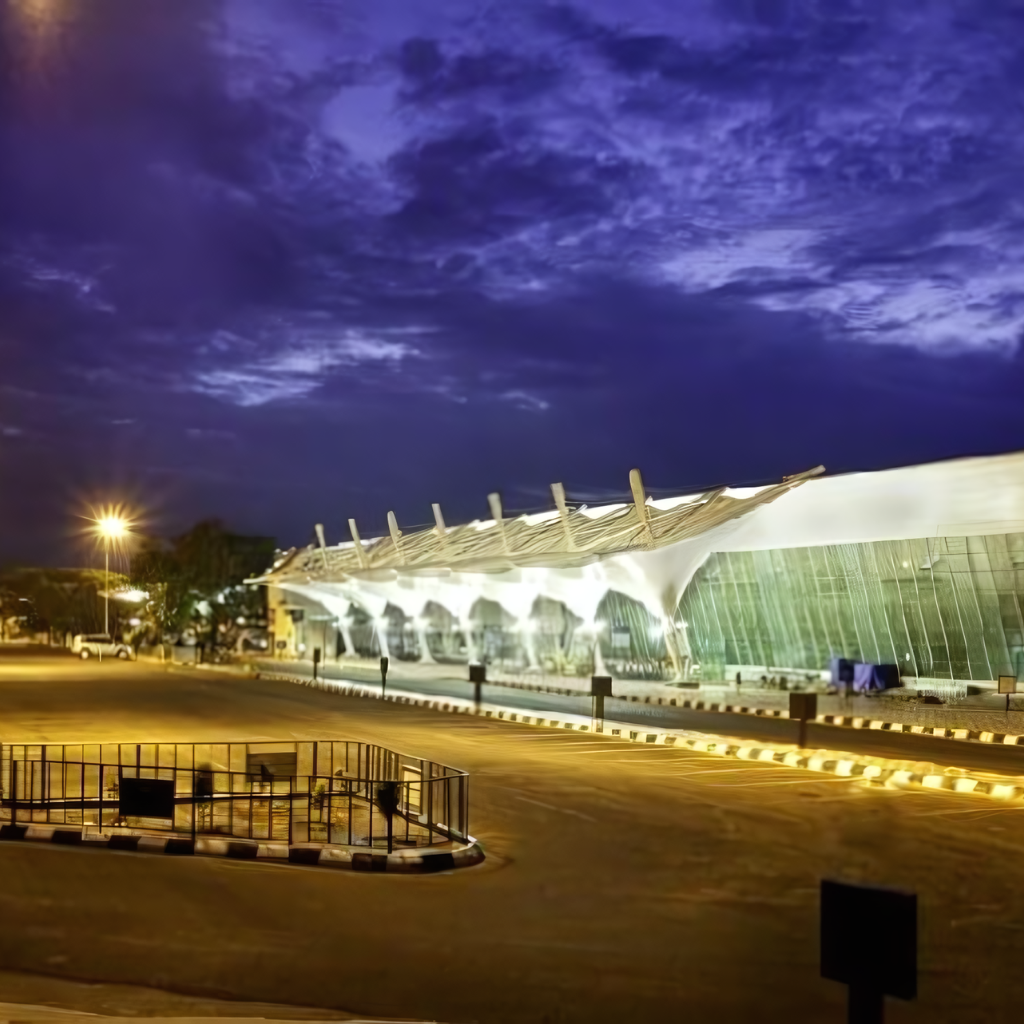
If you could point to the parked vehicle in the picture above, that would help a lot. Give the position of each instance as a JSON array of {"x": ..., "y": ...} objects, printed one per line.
[{"x": 97, "y": 645}]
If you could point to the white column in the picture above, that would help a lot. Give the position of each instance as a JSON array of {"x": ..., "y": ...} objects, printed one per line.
[
  {"x": 380, "y": 624},
  {"x": 527, "y": 628},
  {"x": 426, "y": 658},
  {"x": 345, "y": 628}
]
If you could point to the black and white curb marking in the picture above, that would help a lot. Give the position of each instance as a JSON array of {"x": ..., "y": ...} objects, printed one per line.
[
  {"x": 418, "y": 861},
  {"x": 874, "y": 769},
  {"x": 840, "y": 721},
  {"x": 975, "y": 735}
]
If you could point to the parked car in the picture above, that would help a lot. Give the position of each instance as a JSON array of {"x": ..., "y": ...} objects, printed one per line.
[{"x": 96, "y": 645}]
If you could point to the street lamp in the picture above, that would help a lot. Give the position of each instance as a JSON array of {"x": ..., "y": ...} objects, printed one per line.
[{"x": 110, "y": 527}]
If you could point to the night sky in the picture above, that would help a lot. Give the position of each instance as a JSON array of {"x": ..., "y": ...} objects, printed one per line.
[{"x": 289, "y": 261}]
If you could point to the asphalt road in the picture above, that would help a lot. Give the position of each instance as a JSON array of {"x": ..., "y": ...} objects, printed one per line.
[
  {"x": 901, "y": 746},
  {"x": 623, "y": 883}
]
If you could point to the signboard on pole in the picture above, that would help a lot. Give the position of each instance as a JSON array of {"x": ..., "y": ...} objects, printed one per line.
[
  {"x": 145, "y": 798},
  {"x": 803, "y": 707},
  {"x": 869, "y": 942},
  {"x": 1007, "y": 685}
]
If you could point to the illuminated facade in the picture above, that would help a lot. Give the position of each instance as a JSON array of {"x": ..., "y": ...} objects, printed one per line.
[{"x": 922, "y": 566}]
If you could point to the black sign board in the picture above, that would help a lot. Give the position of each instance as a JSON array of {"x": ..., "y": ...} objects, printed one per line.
[
  {"x": 316, "y": 655},
  {"x": 264, "y": 765},
  {"x": 869, "y": 938},
  {"x": 600, "y": 686},
  {"x": 803, "y": 706},
  {"x": 478, "y": 673},
  {"x": 146, "y": 798}
]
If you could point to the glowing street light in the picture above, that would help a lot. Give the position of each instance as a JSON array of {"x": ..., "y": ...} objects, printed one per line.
[{"x": 112, "y": 527}]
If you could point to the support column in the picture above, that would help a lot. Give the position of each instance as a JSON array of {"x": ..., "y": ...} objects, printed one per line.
[
  {"x": 426, "y": 658},
  {"x": 380, "y": 627},
  {"x": 527, "y": 627},
  {"x": 345, "y": 628},
  {"x": 466, "y": 625}
]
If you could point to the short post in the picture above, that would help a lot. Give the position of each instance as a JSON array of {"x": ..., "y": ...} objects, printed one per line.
[
  {"x": 383, "y": 675},
  {"x": 869, "y": 943},
  {"x": 600, "y": 687},
  {"x": 1007, "y": 685},
  {"x": 477, "y": 676},
  {"x": 803, "y": 707},
  {"x": 316, "y": 661}
]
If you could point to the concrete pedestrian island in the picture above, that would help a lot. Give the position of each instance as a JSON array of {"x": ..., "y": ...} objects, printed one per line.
[{"x": 328, "y": 802}]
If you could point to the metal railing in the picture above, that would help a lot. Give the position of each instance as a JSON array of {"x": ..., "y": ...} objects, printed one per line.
[{"x": 331, "y": 792}]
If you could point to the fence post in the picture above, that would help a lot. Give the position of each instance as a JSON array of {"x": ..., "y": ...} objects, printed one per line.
[
  {"x": 429, "y": 780},
  {"x": 464, "y": 792}
]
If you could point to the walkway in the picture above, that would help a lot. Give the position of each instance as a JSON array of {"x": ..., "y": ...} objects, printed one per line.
[{"x": 903, "y": 746}]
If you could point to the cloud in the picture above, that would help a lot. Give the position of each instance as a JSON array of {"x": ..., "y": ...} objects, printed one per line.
[
  {"x": 521, "y": 224},
  {"x": 524, "y": 400},
  {"x": 297, "y": 370}
]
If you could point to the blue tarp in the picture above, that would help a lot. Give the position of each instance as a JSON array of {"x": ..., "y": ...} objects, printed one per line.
[
  {"x": 862, "y": 676},
  {"x": 842, "y": 671}
]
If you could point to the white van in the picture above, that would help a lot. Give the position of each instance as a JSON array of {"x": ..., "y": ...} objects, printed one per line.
[{"x": 96, "y": 645}]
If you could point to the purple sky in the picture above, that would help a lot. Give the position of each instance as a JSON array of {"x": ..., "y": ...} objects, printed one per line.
[{"x": 288, "y": 261}]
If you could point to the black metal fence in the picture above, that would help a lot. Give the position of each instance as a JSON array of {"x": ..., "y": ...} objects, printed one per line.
[{"x": 316, "y": 791}]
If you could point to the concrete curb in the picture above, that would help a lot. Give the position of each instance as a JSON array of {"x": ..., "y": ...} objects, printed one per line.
[
  {"x": 975, "y": 735},
  {"x": 882, "y": 771},
  {"x": 407, "y": 862}
]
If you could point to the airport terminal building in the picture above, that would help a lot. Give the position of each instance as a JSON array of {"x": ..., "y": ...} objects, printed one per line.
[{"x": 921, "y": 567}]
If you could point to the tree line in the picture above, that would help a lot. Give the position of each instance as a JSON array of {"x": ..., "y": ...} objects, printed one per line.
[{"x": 190, "y": 588}]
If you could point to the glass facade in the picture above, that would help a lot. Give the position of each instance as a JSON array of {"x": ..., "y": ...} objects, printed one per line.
[{"x": 941, "y": 608}]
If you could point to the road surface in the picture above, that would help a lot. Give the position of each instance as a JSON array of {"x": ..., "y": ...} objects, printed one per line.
[{"x": 623, "y": 883}]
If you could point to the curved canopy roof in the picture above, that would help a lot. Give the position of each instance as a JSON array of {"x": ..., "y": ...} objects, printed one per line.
[{"x": 564, "y": 538}]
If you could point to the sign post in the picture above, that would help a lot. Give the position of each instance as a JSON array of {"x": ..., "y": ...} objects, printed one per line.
[
  {"x": 477, "y": 676},
  {"x": 869, "y": 943},
  {"x": 600, "y": 687},
  {"x": 1007, "y": 685},
  {"x": 383, "y": 675},
  {"x": 803, "y": 707},
  {"x": 316, "y": 661}
]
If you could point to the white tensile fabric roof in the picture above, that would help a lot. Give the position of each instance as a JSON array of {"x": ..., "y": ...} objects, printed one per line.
[{"x": 651, "y": 550}]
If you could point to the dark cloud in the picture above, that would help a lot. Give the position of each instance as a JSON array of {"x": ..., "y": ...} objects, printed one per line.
[{"x": 278, "y": 261}]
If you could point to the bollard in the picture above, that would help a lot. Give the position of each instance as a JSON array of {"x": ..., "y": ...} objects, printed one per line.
[
  {"x": 869, "y": 943},
  {"x": 803, "y": 707},
  {"x": 383, "y": 675},
  {"x": 477, "y": 676},
  {"x": 600, "y": 687}
]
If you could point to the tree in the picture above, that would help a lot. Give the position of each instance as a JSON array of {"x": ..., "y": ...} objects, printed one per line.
[
  {"x": 196, "y": 582},
  {"x": 57, "y": 600}
]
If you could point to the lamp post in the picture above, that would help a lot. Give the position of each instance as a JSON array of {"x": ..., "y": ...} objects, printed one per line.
[{"x": 110, "y": 527}]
